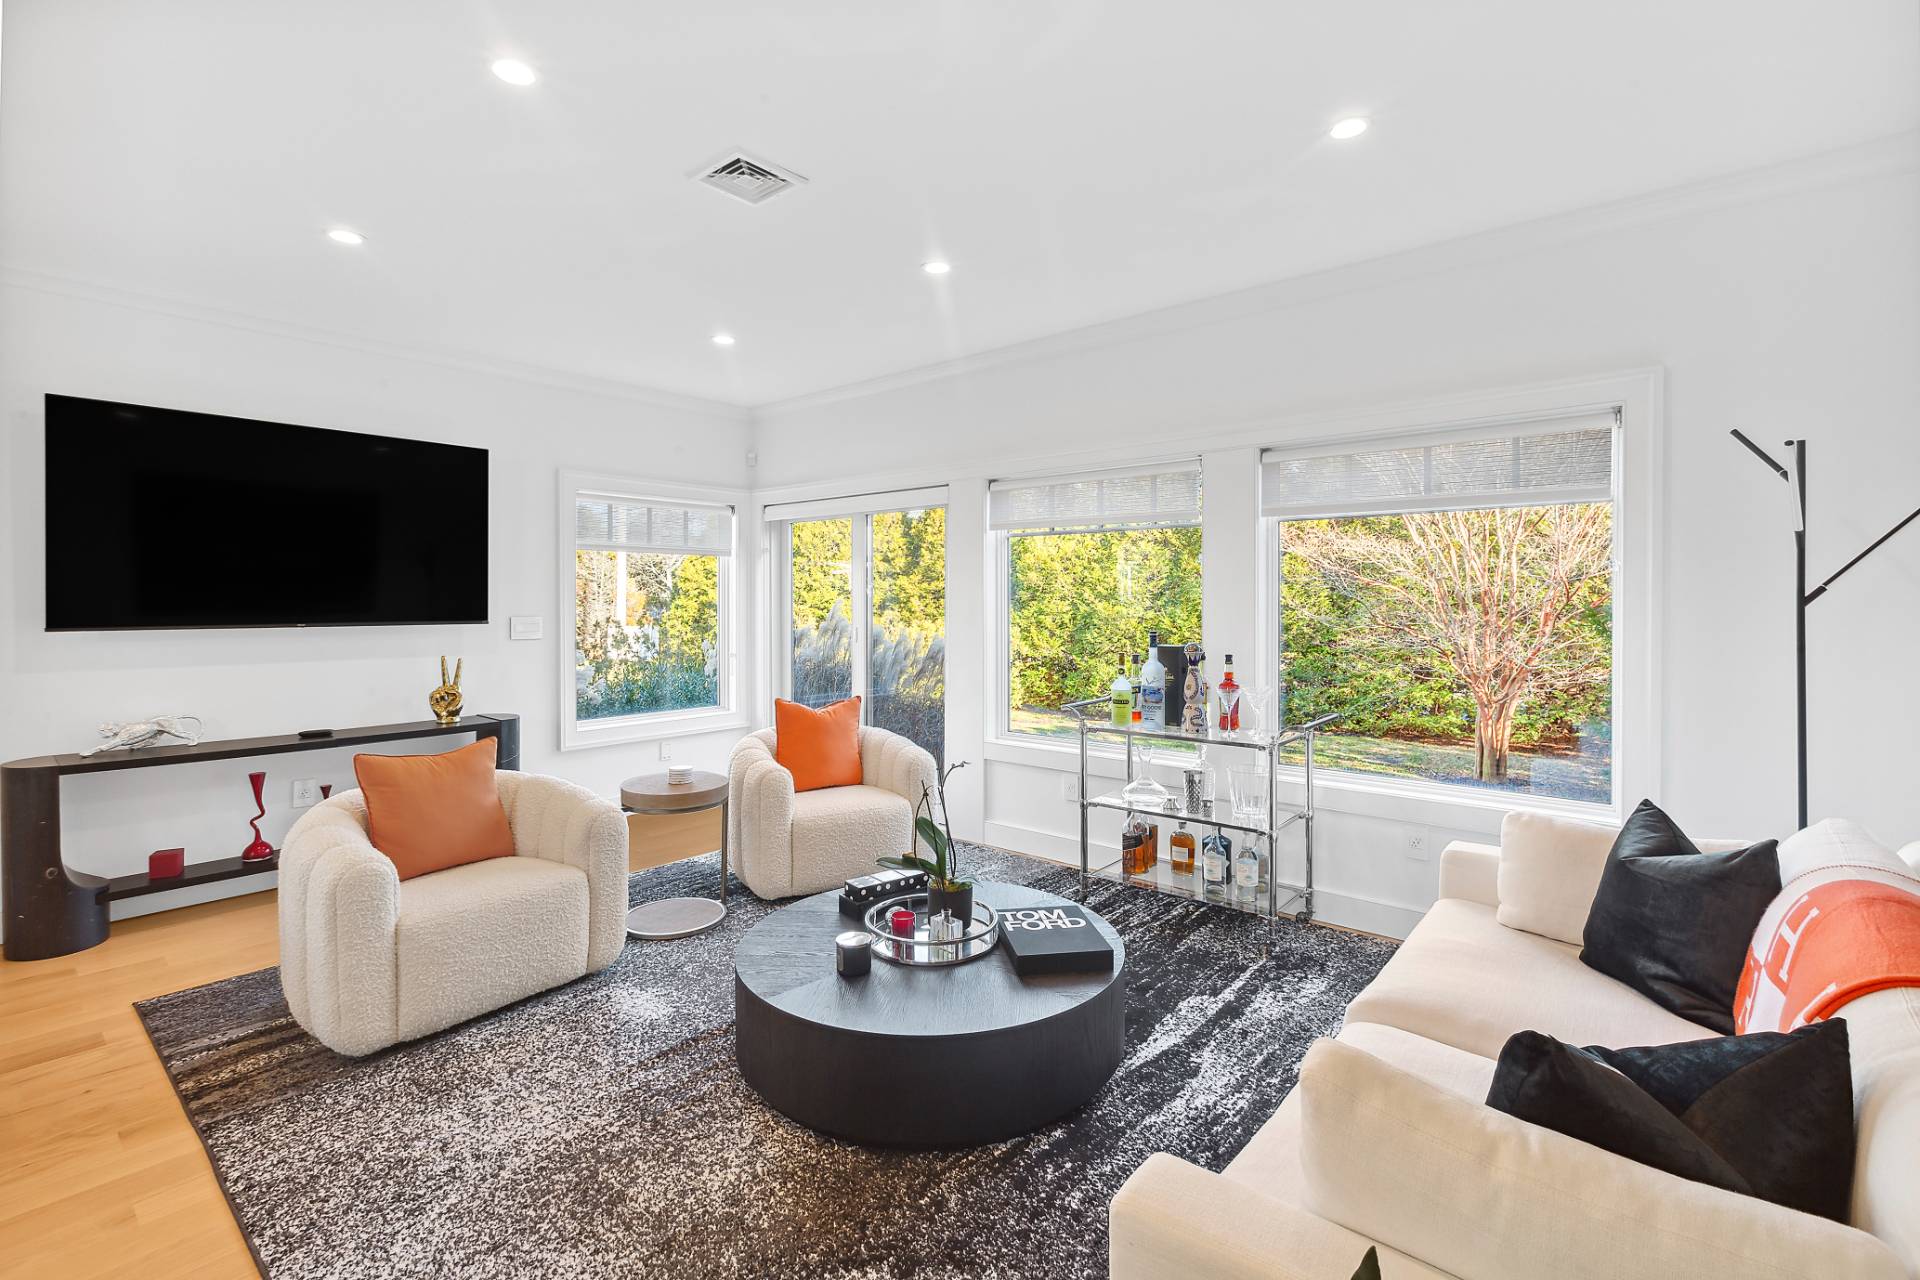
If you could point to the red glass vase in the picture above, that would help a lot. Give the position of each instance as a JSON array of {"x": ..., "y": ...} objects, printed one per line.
[{"x": 259, "y": 849}]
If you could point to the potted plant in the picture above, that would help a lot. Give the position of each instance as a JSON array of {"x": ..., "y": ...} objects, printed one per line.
[{"x": 946, "y": 891}]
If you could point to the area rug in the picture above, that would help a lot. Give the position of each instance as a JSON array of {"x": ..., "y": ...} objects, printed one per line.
[{"x": 603, "y": 1129}]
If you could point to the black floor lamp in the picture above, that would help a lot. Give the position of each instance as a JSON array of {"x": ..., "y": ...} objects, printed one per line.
[{"x": 1797, "y": 478}]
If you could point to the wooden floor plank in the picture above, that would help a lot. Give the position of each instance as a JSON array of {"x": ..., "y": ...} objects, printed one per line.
[{"x": 103, "y": 1174}]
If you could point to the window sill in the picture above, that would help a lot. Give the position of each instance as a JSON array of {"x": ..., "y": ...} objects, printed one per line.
[
  {"x": 1337, "y": 791},
  {"x": 664, "y": 724}
]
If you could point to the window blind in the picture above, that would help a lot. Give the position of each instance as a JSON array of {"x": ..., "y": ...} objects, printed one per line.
[
  {"x": 603, "y": 523},
  {"x": 1568, "y": 459},
  {"x": 1162, "y": 495}
]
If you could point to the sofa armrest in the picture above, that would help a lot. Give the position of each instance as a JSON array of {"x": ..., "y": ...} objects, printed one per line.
[
  {"x": 1471, "y": 872},
  {"x": 556, "y": 821},
  {"x": 1176, "y": 1221},
  {"x": 896, "y": 764},
  {"x": 339, "y": 907},
  {"x": 760, "y": 817}
]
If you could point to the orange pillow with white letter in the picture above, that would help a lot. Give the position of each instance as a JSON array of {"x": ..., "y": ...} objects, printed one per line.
[
  {"x": 819, "y": 748},
  {"x": 428, "y": 813}
]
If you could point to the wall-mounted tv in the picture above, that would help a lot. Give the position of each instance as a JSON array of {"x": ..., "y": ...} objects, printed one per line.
[{"x": 162, "y": 518}]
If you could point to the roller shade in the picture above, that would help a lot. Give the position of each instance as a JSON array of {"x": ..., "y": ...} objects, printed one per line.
[
  {"x": 1161, "y": 495},
  {"x": 602, "y": 523},
  {"x": 1568, "y": 459}
]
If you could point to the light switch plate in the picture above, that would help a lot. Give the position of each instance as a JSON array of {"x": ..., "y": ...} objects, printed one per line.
[
  {"x": 306, "y": 793},
  {"x": 524, "y": 627}
]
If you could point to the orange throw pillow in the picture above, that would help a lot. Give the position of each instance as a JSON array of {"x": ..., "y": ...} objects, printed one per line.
[
  {"x": 819, "y": 748},
  {"x": 429, "y": 813}
]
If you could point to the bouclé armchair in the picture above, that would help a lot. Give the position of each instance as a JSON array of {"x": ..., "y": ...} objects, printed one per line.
[
  {"x": 788, "y": 843},
  {"x": 368, "y": 960}
]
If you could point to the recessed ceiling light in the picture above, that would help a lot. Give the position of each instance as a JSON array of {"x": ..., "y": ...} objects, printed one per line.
[
  {"x": 722, "y": 339},
  {"x": 513, "y": 71},
  {"x": 346, "y": 235},
  {"x": 1351, "y": 127},
  {"x": 936, "y": 267}
]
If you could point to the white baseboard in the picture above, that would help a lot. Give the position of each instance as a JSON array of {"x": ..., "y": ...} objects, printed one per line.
[{"x": 1330, "y": 906}]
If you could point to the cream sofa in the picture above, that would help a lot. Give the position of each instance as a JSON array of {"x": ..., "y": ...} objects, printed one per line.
[
  {"x": 1386, "y": 1137},
  {"x": 368, "y": 960},
  {"x": 786, "y": 843}
]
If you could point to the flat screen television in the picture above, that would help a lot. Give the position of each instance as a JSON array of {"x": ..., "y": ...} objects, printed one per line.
[{"x": 162, "y": 518}]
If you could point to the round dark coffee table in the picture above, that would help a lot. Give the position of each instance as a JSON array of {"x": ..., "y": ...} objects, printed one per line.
[{"x": 920, "y": 1057}]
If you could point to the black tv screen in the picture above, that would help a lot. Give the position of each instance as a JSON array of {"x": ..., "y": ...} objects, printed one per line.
[{"x": 163, "y": 518}]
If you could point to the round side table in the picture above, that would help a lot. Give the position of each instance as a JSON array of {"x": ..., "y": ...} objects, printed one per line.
[{"x": 653, "y": 794}]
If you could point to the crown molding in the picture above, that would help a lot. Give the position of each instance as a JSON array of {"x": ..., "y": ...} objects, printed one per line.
[
  {"x": 1895, "y": 154},
  {"x": 460, "y": 361}
]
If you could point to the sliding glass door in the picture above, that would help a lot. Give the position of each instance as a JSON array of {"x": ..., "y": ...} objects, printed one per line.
[{"x": 867, "y": 608}]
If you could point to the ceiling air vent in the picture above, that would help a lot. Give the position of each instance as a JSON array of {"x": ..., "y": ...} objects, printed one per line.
[{"x": 745, "y": 178}]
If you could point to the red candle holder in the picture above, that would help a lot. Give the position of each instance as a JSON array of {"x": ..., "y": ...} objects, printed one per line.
[
  {"x": 166, "y": 864},
  {"x": 902, "y": 919}
]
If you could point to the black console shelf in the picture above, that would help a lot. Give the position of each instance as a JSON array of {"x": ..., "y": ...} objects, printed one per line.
[{"x": 53, "y": 910}]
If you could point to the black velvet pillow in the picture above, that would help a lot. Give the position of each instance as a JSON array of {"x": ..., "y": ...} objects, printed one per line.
[
  {"x": 1767, "y": 1115},
  {"x": 1674, "y": 923}
]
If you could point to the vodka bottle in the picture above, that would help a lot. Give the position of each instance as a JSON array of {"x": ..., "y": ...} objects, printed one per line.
[
  {"x": 1216, "y": 859},
  {"x": 1246, "y": 874},
  {"x": 1153, "y": 686}
]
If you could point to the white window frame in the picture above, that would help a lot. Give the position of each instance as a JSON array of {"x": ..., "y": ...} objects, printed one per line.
[
  {"x": 578, "y": 735},
  {"x": 1003, "y": 741},
  {"x": 1634, "y": 767},
  {"x": 857, "y": 508}
]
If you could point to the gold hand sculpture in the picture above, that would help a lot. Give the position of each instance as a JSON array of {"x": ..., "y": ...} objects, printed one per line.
[{"x": 445, "y": 700}]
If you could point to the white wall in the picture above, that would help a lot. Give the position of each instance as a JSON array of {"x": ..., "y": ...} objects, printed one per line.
[
  {"x": 1785, "y": 303},
  {"x": 55, "y": 688}
]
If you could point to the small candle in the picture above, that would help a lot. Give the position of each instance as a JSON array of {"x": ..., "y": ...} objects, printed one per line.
[
  {"x": 902, "y": 918},
  {"x": 853, "y": 954}
]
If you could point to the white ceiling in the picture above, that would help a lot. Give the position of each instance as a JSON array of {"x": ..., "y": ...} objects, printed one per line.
[{"x": 1077, "y": 161}]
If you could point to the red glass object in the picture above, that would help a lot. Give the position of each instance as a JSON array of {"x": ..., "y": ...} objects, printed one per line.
[
  {"x": 166, "y": 864},
  {"x": 902, "y": 919},
  {"x": 326, "y": 789},
  {"x": 259, "y": 849}
]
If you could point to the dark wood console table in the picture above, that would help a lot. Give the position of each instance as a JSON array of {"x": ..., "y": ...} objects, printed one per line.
[{"x": 53, "y": 910}]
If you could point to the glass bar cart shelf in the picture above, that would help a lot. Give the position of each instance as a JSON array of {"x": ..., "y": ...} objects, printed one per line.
[{"x": 1275, "y": 897}]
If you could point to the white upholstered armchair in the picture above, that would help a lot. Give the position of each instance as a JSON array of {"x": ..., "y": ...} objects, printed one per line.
[
  {"x": 368, "y": 960},
  {"x": 786, "y": 843}
]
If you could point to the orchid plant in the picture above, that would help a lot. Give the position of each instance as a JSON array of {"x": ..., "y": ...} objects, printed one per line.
[{"x": 942, "y": 870}]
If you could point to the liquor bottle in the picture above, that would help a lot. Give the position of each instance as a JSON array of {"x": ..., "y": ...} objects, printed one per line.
[
  {"x": 1153, "y": 686},
  {"x": 1121, "y": 692},
  {"x": 1193, "y": 693},
  {"x": 1229, "y": 691},
  {"x": 1246, "y": 874},
  {"x": 1152, "y": 855},
  {"x": 1180, "y": 852},
  {"x": 1216, "y": 858},
  {"x": 1133, "y": 847},
  {"x": 1135, "y": 710}
]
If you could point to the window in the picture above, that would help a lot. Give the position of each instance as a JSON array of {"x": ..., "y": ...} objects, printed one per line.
[
  {"x": 649, "y": 614},
  {"x": 1093, "y": 563},
  {"x": 867, "y": 610},
  {"x": 1452, "y": 597}
]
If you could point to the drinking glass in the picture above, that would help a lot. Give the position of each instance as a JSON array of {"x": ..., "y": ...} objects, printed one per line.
[{"x": 1249, "y": 786}]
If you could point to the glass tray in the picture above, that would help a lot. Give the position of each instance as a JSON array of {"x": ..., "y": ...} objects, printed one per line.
[{"x": 927, "y": 947}]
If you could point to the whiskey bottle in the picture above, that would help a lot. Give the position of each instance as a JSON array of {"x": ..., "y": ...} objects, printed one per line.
[
  {"x": 1133, "y": 846},
  {"x": 1180, "y": 852}
]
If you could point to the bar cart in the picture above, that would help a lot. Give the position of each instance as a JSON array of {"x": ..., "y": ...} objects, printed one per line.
[{"x": 1218, "y": 812}]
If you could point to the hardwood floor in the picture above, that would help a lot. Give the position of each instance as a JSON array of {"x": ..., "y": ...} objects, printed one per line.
[{"x": 100, "y": 1172}]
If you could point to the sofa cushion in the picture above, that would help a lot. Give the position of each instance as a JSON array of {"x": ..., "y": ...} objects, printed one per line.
[
  {"x": 1550, "y": 869},
  {"x": 1883, "y": 1031},
  {"x": 1767, "y": 1115},
  {"x": 1478, "y": 1193},
  {"x": 1673, "y": 922},
  {"x": 1464, "y": 979},
  {"x": 837, "y": 833},
  {"x": 476, "y": 937}
]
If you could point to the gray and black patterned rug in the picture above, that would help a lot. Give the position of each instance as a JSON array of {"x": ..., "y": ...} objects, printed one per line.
[{"x": 603, "y": 1130}]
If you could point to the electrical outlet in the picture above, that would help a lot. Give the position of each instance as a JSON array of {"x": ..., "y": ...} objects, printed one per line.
[
  {"x": 1069, "y": 787},
  {"x": 666, "y": 748},
  {"x": 306, "y": 793},
  {"x": 1417, "y": 844}
]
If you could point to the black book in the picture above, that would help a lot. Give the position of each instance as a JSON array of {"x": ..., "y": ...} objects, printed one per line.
[{"x": 1058, "y": 939}]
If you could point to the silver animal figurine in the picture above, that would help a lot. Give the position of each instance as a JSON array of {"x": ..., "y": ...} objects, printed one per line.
[{"x": 147, "y": 733}]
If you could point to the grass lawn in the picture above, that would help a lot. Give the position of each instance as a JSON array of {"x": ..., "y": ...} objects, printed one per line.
[{"x": 1586, "y": 775}]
